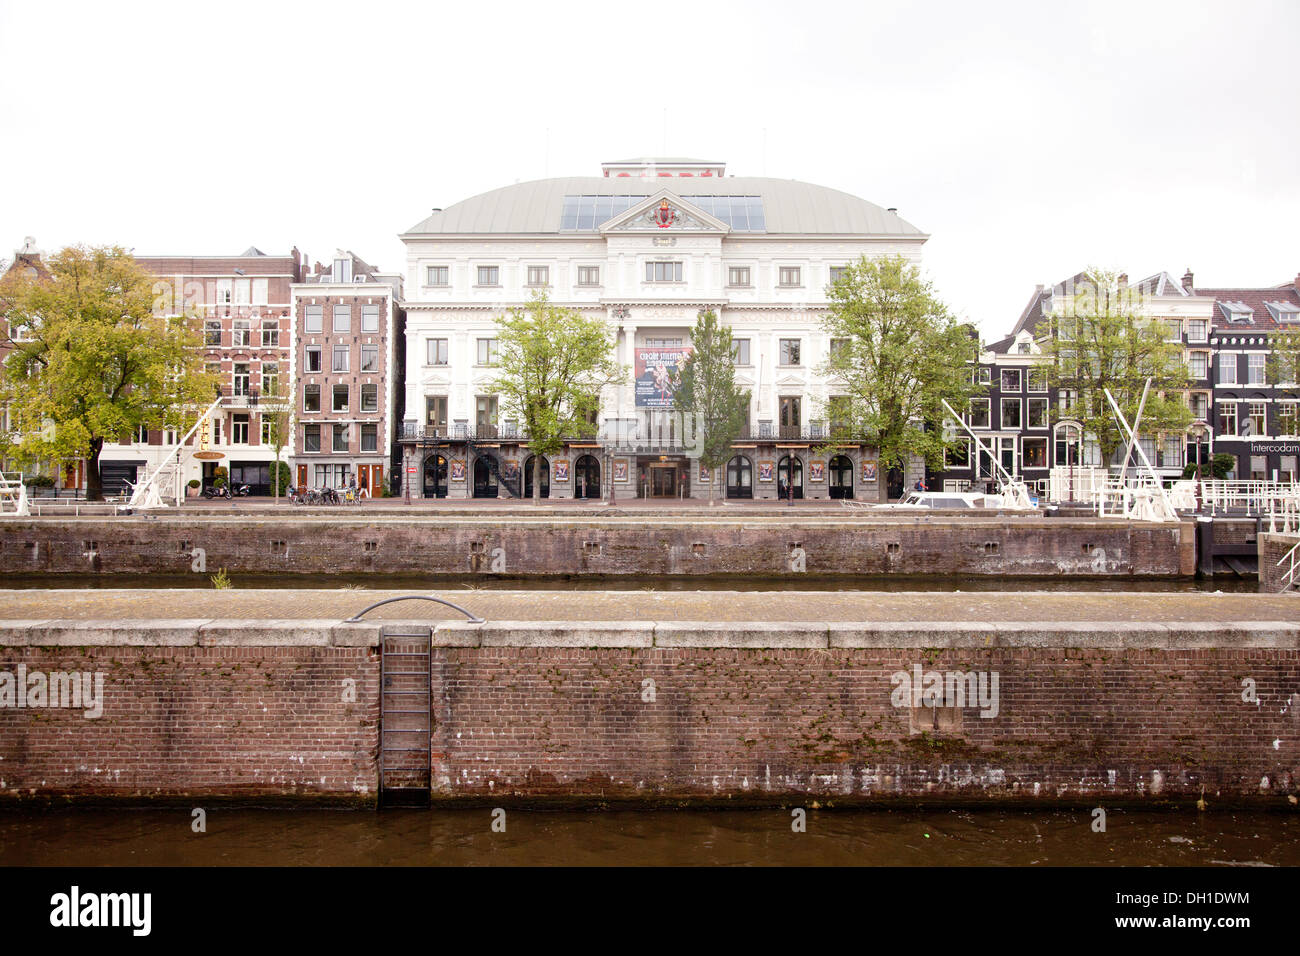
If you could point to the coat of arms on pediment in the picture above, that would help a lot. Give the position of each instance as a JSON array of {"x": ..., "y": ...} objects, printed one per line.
[{"x": 665, "y": 214}]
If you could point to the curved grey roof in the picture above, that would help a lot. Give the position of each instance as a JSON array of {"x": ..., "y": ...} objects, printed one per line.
[{"x": 791, "y": 207}]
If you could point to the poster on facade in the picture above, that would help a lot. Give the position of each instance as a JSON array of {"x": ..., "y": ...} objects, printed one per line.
[
  {"x": 704, "y": 474},
  {"x": 656, "y": 375},
  {"x": 510, "y": 469},
  {"x": 561, "y": 469},
  {"x": 620, "y": 469},
  {"x": 457, "y": 470},
  {"x": 765, "y": 470},
  {"x": 868, "y": 469},
  {"x": 817, "y": 471}
]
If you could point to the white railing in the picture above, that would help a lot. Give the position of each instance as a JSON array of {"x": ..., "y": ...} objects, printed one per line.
[
  {"x": 1256, "y": 497},
  {"x": 13, "y": 495},
  {"x": 1115, "y": 495},
  {"x": 1284, "y": 516},
  {"x": 76, "y": 506},
  {"x": 1081, "y": 484}
]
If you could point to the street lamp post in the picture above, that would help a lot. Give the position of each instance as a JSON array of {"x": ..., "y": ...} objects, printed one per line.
[
  {"x": 609, "y": 470},
  {"x": 1199, "y": 430}
]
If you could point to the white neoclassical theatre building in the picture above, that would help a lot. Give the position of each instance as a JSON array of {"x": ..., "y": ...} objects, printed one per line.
[{"x": 646, "y": 245}]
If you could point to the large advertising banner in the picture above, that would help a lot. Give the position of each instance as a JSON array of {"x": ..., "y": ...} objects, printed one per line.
[{"x": 656, "y": 374}]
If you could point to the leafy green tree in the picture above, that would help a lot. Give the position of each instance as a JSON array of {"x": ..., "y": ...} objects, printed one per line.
[
  {"x": 1284, "y": 373},
  {"x": 92, "y": 361},
  {"x": 706, "y": 390},
  {"x": 1218, "y": 467},
  {"x": 1105, "y": 339},
  {"x": 897, "y": 354},
  {"x": 553, "y": 362}
]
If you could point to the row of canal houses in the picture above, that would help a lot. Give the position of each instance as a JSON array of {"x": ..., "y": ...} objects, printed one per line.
[
  {"x": 334, "y": 338},
  {"x": 1226, "y": 336}
]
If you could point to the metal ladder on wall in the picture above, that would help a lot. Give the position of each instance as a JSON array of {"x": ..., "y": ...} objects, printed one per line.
[{"x": 405, "y": 716}]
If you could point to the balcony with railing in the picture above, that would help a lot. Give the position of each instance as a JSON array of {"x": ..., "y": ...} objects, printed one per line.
[
  {"x": 631, "y": 435},
  {"x": 814, "y": 430},
  {"x": 461, "y": 431},
  {"x": 239, "y": 396}
]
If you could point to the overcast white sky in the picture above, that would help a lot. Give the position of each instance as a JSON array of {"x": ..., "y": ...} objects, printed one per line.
[{"x": 1029, "y": 139}]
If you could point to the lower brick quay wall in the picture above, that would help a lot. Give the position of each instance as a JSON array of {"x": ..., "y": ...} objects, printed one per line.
[
  {"x": 217, "y": 723},
  {"x": 700, "y": 545},
  {"x": 535, "y": 713}
]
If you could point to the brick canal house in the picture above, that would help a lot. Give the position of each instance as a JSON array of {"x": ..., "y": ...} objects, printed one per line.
[
  {"x": 347, "y": 368},
  {"x": 1019, "y": 419},
  {"x": 27, "y": 261},
  {"x": 244, "y": 302},
  {"x": 645, "y": 246},
  {"x": 1255, "y": 416}
]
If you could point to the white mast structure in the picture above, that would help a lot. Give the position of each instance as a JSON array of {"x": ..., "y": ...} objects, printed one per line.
[
  {"x": 1148, "y": 504},
  {"x": 1014, "y": 493},
  {"x": 146, "y": 494}
]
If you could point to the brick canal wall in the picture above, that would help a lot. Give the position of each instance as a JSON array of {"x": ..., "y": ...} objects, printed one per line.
[
  {"x": 666, "y": 712},
  {"x": 1274, "y": 563},
  {"x": 826, "y": 545},
  {"x": 237, "y": 719}
]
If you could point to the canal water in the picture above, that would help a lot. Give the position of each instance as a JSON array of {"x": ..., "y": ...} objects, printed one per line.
[
  {"x": 644, "y": 582},
  {"x": 652, "y": 837}
]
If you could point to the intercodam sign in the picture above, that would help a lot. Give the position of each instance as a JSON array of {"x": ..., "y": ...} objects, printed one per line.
[{"x": 1277, "y": 447}]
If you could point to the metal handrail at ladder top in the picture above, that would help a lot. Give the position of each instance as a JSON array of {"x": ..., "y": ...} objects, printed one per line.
[
  {"x": 1289, "y": 576},
  {"x": 356, "y": 618}
]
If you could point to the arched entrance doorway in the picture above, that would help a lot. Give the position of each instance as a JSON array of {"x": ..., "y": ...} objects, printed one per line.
[
  {"x": 789, "y": 472},
  {"x": 528, "y": 477},
  {"x": 435, "y": 477},
  {"x": 586, "y": 477},
  {"x": 740, "y": 478},
  {"x": 485, "y": 479},
  {"x": 841, "y": 476}
]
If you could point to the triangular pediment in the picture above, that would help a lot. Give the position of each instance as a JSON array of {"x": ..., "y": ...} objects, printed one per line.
[
  {"x": 665, "y": 213},
  {"x": 790, "y": 380}
]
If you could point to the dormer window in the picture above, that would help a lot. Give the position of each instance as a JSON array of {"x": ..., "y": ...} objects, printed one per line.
[
  {"x": 343, "y": 270},
  {"x": 1284, "y": 311},
  {"x": 1238, "y": 313}
]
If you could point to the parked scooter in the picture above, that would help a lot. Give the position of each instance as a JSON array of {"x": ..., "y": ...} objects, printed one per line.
[{"x": 212, "y": 491}]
